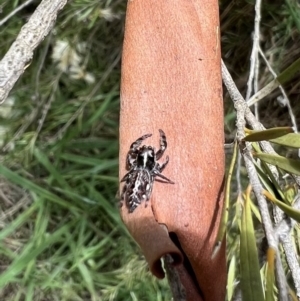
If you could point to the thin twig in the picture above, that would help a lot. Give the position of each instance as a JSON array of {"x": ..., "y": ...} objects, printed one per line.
[
  {"x": 287, "y": 101},
  {"x": 254, "y": 59},
  {"x": 236, "y": 96},
  {"x": 238, "y": 174},
  {"x": 245, "y": 149},
  {"x": 281, "y": 79},
  {"x": 284, "y": 223},
  {"x": 21, "y": 51},
  {"x": 20, "y": 7},
  {"x": 278, "y": 213},
  {"x": 292, "y": 260},
  {"x": 283, "y": 231},
  {"x": 41, "y": 65},
  {"x": 46, "y": 109},
  {"x": 238, "y": 100},
  {"x": 254, "y": 53},
  {"x": 258, "y": 191}
]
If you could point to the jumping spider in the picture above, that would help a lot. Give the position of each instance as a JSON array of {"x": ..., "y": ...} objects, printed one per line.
[{"x": 143, "y": 168}]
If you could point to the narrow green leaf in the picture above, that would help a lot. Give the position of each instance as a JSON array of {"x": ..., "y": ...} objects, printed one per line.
[
  {"x": 85, "y": 14},
  {"x": 224, "y": 218},
  {"x": 268, "y": 134},
  {"x": 289, "y": 165},
  {"x": 42, "y": 158},
  {"x": 19, "y": 221},
  {"x": 270, "y": 279},
  {"x": 100, "y": 165},
  {"x": 290, "y": 140},
  {"x": 250, "y": 273},
  {"x": 290, "y": 211},
  {"x": 289, "y": 72},
  {"x": 99, "y": 113},
  {"x": 267, "y": 177},
  {"x": 30, "y": 290},
  {"x": 88, "y": 280},
  {"x": 231, "y": 278}
]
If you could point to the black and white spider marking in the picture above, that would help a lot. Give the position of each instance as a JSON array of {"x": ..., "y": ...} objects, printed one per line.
[{"x": 143, "y": 168}]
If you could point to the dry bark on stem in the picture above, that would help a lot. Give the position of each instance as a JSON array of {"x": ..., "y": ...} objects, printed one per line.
[
  {"x": 283, "y": 230},
  {"x": 279, "y": 217},
  {"x": 31, "y": 35},
  {"x": 245, "y": 148},
  {"x": 171, "y": 81}
]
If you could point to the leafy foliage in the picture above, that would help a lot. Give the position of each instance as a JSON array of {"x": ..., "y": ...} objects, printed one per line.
[{"x": 61, "y": 234}]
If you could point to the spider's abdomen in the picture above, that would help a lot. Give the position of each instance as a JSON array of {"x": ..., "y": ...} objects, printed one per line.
[{"x": 137, "y": 188}]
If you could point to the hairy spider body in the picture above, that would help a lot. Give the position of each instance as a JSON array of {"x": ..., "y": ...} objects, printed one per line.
[{"x": 143, "y": 168}]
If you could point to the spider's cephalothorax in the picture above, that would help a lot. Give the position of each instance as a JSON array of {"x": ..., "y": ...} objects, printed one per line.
[{"x": 143, "y": 168}]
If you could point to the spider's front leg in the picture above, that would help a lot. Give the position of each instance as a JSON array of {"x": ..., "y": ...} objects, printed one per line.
[
  {"x": 138, "y": 142},
  {"x": 162, "y": 167},
  {"x": 133, "y": 151},
  {"x": 159, "y": 169},
  {"x": 162, "y": 143}
]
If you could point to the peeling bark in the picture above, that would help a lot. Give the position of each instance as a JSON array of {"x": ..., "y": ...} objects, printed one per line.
[{"x": 171, "y": 80}]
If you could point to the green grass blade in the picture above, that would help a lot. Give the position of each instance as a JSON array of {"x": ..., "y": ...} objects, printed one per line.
[
  {"x": 251, "y": 283},
  {"x": 42, "y": 158},
  {"x": 19, "y": 221},
  {"x": 27, "y": 184},
  {"x": 87, "y": 277},
  {"x": 231, "y": 278},
  {"x": 29, "y": 252}
]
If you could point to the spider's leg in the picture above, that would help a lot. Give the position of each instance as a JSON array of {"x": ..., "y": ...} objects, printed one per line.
[
  {"x": 138, "y": 142},
  {"x": 157, "y": 174},
  {"x": 133, "y": 151},
  {"x": 120, "y": 197},
  {"x": 162, "y": 167},
  {"x": 123, "y": 196},
  {"x": 124, "y": 179},
  {"x": 162, "y": 144}
]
